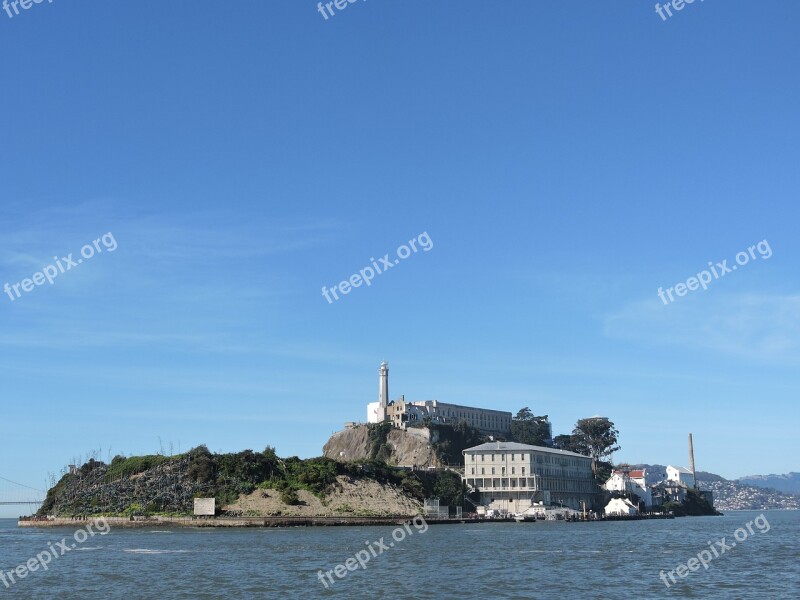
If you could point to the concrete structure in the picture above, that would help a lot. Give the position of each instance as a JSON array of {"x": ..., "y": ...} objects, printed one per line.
[
  {"x": 402, "y": 413},
  {"x": 205, "y": 507},
  {"x": 514, "y": 477},
  {"x": 630, "y": 481},
  {"x": 668, "y": 491},
  {"x": 680, "y": 475},
  {"x": 708, "y": 496}
]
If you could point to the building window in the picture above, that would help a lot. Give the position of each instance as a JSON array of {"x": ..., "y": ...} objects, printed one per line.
[
  {"x": 503, "y": 471},
  {"x": 512, "y": 470},
  {"x": 492, "y": 470},
  {"x": 473, "y": 470},
  {"x": 483, "y": 471},
  {"x": 523, "y": 470}
]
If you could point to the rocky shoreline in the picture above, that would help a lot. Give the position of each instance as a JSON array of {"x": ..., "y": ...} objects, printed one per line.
[{"x": 206, "y": 522}]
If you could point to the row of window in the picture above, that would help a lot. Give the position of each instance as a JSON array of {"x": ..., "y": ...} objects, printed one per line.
[
  {"x": 502, "y": 471},
  {"x": 542, "y": 459},
  {"x": 541, "y": 472},
  {"x": 472, "y": 415},
  {"x": 553, "y": 485}
]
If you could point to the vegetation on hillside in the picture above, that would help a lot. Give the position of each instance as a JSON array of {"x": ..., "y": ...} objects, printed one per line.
[
  {"x": 378, "y": 433},
  {"x": 526, "y": 428},
  {"x": 452, "y": 440},
  {"x": 157, "y": 484}
]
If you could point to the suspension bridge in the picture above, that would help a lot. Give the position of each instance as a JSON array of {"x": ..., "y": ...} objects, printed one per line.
[{"x": 13, "y": 493}]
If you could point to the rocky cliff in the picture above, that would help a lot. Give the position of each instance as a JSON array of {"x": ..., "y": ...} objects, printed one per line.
[{"x": 404, "y": 448}]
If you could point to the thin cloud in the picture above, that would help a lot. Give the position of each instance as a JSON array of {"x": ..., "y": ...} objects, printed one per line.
[{"x": 764, "y": 327}]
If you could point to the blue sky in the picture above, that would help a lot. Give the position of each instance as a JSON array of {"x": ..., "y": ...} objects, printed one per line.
[{"x": 567, "y": 159}]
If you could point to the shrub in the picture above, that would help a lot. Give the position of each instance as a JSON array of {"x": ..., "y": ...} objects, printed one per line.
[
  {"x": 133, "y": 465},
  {"x": 290, "y": 497}
]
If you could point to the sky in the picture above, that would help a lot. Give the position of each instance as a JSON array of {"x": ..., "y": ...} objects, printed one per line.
[{"x": 565, "y": 160}]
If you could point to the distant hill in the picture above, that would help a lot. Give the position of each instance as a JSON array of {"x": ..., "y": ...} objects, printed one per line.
[
  {"x": 739, "y": 494},
  {"x": 788, "y": 484}
]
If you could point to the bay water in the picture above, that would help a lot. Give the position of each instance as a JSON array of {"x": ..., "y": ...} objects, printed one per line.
[{"x": 465, "y": 561}]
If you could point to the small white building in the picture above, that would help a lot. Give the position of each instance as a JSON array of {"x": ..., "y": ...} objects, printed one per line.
[
  {"x": 620, "y": 507},
  {"x": 680, "y": 475}
]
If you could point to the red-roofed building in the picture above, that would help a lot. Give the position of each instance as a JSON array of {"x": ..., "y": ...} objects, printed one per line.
[{"x": 631, "y": 481}]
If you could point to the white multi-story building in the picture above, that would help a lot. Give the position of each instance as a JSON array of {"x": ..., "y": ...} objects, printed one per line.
[
  {"x": 402, "y": 413},
  {"x": 680, "y": 475},
  {"x": 514, "y": 477},
  {"x": 489, "y": 421}
]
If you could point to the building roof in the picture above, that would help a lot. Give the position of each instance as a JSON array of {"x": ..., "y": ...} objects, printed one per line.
[
  {"x": 681, "y": 469},
  {"x": 635, "y": 474},
  {"x": 624, "y": 501},
  {"x": 488, "y": 446},
  {"x": 440, "y": 404}
]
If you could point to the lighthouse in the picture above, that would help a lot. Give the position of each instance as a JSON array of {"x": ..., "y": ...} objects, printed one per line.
[
  {"x": 383, "y": 393},
  {"x": 376, "y": 411}
]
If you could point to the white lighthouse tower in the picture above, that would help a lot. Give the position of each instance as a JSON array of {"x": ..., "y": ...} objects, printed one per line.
[
  {"x": 383, "y": 394},
  {"x": 376, "y": 411}
]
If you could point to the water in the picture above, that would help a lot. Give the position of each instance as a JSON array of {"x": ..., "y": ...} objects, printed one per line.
[{"x": 509, "y": 560}]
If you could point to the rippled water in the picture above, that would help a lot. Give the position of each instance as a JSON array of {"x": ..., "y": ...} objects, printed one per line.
[{"x": 541, "y": 560}]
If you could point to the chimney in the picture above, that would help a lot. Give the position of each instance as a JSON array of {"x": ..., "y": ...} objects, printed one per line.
[{"x": 691, "y": 460}]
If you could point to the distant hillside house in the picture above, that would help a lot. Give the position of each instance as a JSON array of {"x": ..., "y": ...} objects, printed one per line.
[
  {"x": 402, "y": 413},
  {"x": 513, "y": 477}
]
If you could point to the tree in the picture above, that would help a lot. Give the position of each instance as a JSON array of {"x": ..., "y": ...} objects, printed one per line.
[
  {"x": 529, "y": 429},
  {"x": 567, "y": 442},
  {"x": 449, "y": 488},
  {"x": 452, "y": 440},
  {"x": 595, "y": 437},
  {"x": 201, "y": 465}
]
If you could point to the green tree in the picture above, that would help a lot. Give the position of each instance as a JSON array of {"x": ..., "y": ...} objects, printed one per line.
[
  {"x": 529, "y": 429},
  {"x": 567, "y": 442},
  {"x": 453, "y": 440},
  {"x": 595, "y": 437},
  {"x": 201, "y": 466},
  {"x": 449, "y": 488}
]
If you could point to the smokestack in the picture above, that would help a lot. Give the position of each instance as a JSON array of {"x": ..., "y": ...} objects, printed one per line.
[{"x": 691, "y": 460}]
